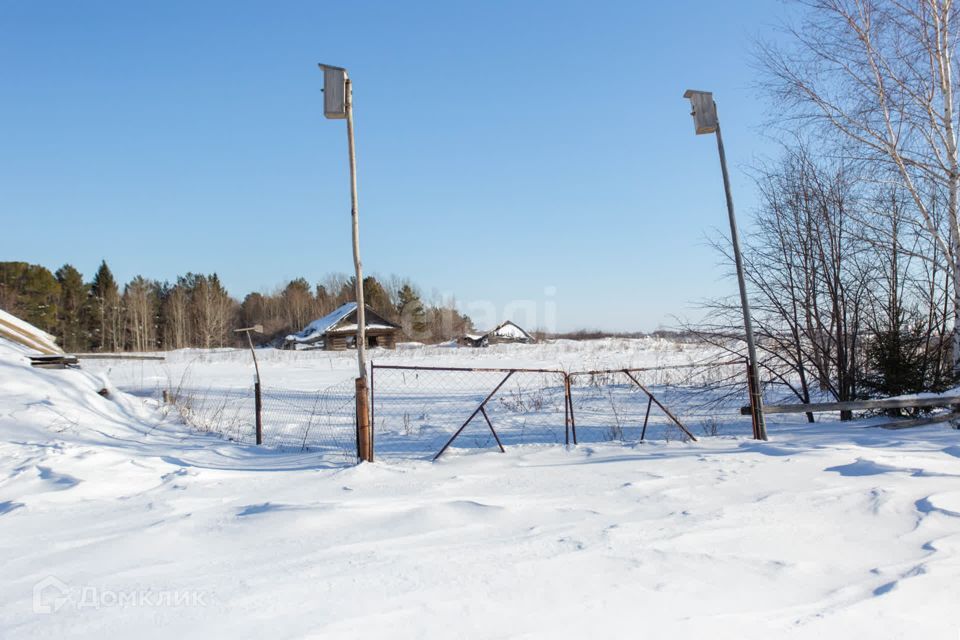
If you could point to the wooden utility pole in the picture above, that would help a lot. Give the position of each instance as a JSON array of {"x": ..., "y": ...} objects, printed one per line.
[
  {"x": 706, "y": 121},
  {"x": 363, "y": 392},
  {"x": 753, "y": 381},
  {"x": 355, "y": 218},
  {"x": 338, "y": 103}
]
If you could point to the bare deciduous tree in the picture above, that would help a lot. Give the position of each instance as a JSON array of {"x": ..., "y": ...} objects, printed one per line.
[
  {"x": 880, "y": 73},
  {"x": 140, "y": 312}
]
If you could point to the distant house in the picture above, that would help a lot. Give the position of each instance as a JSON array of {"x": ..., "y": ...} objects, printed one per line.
[
  {"x": 337, "y": 331},
  {"x": 473, "y": 340},
  {"x": 505, "y": 332}
]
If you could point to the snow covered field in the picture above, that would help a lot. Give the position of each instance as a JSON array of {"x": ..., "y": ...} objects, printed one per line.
[{"x": 116, "y": 521}]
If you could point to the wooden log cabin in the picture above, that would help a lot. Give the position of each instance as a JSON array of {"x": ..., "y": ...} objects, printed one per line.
[{"x": 337, "y": 331}]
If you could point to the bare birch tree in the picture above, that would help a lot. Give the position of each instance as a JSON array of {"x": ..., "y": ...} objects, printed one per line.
[
  {"x": 176, "y": 318},
  {"x": 140, "y": 312},
  {"x": 880, "y": 72}
]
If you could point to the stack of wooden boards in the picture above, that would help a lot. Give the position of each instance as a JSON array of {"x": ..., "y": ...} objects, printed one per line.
[{"x": 37, "y": 345}]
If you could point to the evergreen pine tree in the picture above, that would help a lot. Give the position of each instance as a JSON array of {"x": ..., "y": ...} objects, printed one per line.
[
  {"x": 375, "y": 296},
  {"x": 106, "y": 317},
  {"x": 72, "y": 321},
  {"x": 412, "y": 315},
  {"x": 31, "y": 293}
]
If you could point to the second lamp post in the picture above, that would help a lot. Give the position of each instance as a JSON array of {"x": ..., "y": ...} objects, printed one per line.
[{"x": 705, "y": 119}]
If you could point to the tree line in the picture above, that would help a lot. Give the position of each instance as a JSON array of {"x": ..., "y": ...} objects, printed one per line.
[
  {"x": 854, "y": 254},
  {"x": 197, "y": 311}
]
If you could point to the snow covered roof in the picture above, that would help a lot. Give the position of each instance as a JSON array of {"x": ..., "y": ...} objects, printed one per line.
[
  {"x": 321, "y": 326},
  {"x": 510, "y": 330}
]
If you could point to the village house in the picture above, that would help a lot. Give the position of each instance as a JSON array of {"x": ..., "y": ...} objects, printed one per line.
[
  {"x": 505, "y": 332},
  {"x": 337, "y": 331}
]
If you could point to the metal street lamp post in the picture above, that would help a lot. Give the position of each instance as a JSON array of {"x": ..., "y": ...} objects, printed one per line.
[
  {"x": 258, "y": 404},
  {"x": 338, "y": 105},
  {"x": 705, "y": 120}
]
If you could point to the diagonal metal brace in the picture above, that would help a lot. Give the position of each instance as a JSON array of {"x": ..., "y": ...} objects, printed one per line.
[
  {"x": 659, "y": 404},
  {"x": 474, "y": 415},
  {"x": 646, "y": 418},
  {"x": 492, "y": 430},
  {"x": 572, "y": 424}
]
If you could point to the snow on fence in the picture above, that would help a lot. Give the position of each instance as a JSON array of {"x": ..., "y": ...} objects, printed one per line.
[{"x": 422, "y": 412}]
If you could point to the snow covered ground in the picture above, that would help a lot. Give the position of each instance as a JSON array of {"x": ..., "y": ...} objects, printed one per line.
[{"x": 117, "y": 521}]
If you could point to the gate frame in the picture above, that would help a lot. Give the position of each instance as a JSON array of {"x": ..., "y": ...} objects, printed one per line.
[
  {"x": 652, "y": 399},
  {"x": 568, "y": 417},
  {"x": 570, "y": 424}
]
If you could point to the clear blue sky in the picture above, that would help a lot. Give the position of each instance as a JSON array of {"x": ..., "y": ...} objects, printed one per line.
[{"x": 504, "y": 148}]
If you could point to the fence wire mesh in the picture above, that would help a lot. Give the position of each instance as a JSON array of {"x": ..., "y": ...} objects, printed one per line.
[
  {"x": 417, "y": 410},
  {"x": 225, "y": 411},
  {"x": 665, "y": 403},
  {"x": 322, "y": 421}
]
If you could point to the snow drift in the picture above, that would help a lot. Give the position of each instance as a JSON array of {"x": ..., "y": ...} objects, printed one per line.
[{"x": 116, "y": 521}]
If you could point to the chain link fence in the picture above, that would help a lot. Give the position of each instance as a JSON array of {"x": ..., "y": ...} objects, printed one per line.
[
  {"x": 302, "y": 421},
  {"x": 421, "y": 412},
  {"x": 293, "y": 421},
  {"x": 682, "y": 402}
]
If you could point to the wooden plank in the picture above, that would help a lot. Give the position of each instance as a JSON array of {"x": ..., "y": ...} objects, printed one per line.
[
  {"x": 22, "y": 336},
  {"x": 104, "y": 355},
  {"x": 53, "y": 361},
  {"x": 859, "y": 405}
]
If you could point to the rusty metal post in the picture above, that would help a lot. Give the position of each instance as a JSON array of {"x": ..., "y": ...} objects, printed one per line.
[
  {"x": 566, "y": 409},
  {"x": 573, "y": 420},
  {"x": 754, "y": 409},
  {"x": 257, "y": 401},
  {"x": 373, "y": 404},
  {"x": 364, "y": 448},
  {"x": 258, "y": 407}
]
